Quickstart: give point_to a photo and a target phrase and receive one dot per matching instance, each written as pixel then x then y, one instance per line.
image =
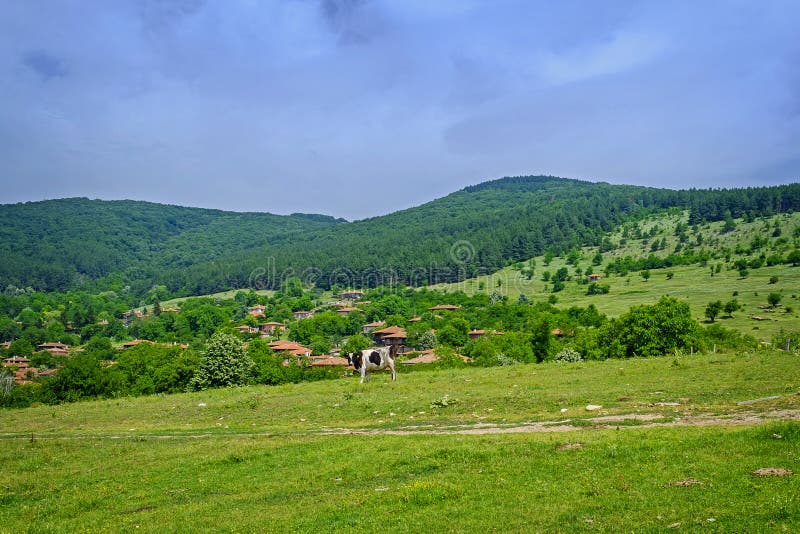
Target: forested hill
pixel 477 229
pixel 68 243
pixel 77 242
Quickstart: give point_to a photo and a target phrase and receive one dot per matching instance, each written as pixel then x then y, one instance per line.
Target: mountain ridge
pixel 99 244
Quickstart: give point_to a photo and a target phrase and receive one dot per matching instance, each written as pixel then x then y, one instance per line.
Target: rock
pixel 592 407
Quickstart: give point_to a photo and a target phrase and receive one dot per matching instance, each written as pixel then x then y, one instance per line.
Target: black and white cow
pixel 373 360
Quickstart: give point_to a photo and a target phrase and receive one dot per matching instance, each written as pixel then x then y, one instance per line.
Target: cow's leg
pixel 363 373
pixel 394 373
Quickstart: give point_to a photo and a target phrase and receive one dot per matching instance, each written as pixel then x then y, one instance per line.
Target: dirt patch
pixel 772 472
pixel 650 420
pixel 626 417
pixel 685 483
pixel 569 447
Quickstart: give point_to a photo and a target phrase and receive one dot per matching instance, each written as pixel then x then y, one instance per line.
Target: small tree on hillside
pixel 731 306
pixel 225 364
pixel 713 309
pixel 774 299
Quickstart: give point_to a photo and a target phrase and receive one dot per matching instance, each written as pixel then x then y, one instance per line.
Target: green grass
pixel 692 284
pixel 266 459
pixel 222 295
pixel 497 395
pixel 617 480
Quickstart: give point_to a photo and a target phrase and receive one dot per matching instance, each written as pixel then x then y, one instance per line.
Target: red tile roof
pixel 397 335
pixel 333 361
pixel 389 330
pixel 444 307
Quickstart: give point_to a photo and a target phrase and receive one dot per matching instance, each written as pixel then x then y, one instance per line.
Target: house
pixel 247 329
pixel 429 356
pixel 18 361
pixel 129 344
pixel 444 307
pixel 391 336
pixel 328 361
pixel 475 334
pixel 290 347
pixel 369 327
pixel 5 345
pixel 270 328
pixel 415 319
pixel 22 372
pixel 257 310
pixel 557 332
pixel 303 314
pixel 56 349
pixel 351 294
pixel 346 310
pixel 594 277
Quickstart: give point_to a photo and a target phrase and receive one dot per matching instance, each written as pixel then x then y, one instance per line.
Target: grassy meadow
pixel 693 284
pixel 446 450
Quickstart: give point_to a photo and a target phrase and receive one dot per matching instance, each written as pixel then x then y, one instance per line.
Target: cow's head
pixel 393 352
pixel 354 359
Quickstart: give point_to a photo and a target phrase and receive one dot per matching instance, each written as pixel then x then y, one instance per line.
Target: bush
pixel 503 360
pixel 649 330
pixel 569 355
pixel 224 364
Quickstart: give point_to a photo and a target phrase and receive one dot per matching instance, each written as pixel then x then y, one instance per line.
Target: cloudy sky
pixel 360 107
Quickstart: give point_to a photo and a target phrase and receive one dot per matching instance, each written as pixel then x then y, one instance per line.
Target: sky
pixel 357 108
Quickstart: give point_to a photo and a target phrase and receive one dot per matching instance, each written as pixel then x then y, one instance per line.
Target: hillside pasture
pixel 673 445
pixel 693 284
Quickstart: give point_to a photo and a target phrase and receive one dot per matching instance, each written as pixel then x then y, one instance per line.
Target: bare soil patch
pixel 772 472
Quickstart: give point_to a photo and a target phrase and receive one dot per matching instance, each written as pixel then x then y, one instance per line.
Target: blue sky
pixel 361 107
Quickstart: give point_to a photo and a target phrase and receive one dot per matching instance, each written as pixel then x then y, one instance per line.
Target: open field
pixel 673 445
pixel 221 295
pixel 693 284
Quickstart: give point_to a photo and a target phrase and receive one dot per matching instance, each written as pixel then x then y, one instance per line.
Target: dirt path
pixel 594 423
pixel 620 422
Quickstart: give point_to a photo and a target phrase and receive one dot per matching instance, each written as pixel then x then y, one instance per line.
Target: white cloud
pixel 623 52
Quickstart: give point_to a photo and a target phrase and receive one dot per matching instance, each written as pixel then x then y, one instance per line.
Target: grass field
pixel 673 447
pixel 692 284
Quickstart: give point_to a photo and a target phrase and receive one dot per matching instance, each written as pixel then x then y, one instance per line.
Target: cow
pixel 373 360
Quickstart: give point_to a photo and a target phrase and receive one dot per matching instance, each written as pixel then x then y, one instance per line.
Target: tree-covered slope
pixel 67 243
pixel 477 229
pixel 60 244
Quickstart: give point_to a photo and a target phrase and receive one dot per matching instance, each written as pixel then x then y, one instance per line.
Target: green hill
pixel 476 230
pixel 68 243
pixel 763 245
pixel 74 242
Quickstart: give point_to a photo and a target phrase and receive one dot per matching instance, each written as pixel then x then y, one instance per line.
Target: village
pixel 275 332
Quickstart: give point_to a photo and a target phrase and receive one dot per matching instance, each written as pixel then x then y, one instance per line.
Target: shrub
pixel 503 360
pixel 569 355
pixel 225 364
